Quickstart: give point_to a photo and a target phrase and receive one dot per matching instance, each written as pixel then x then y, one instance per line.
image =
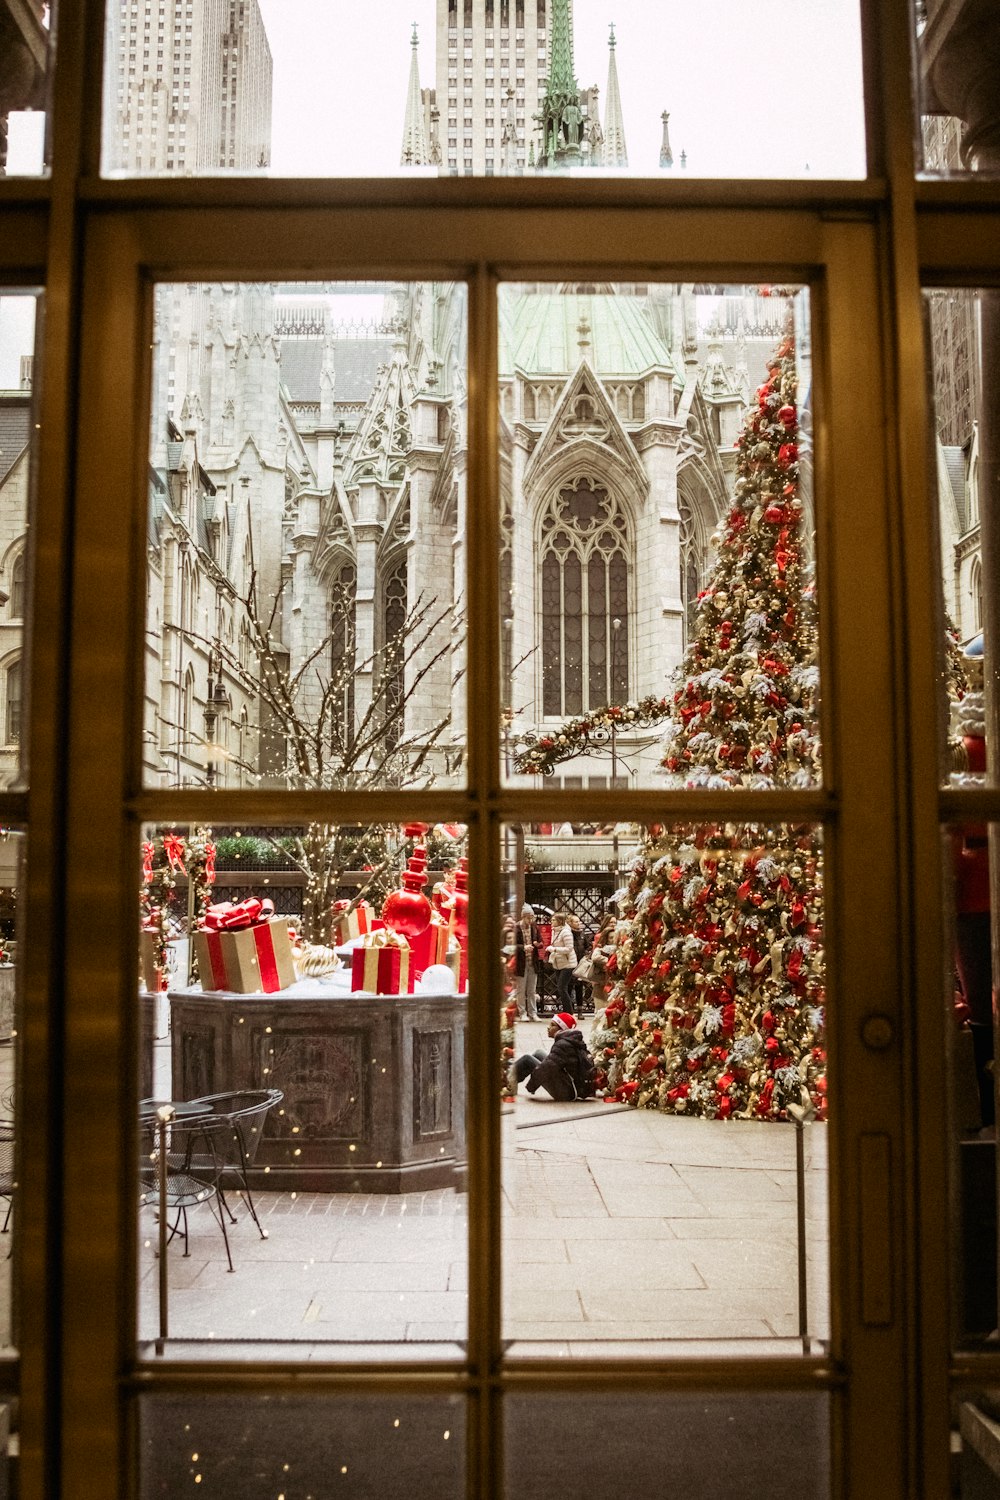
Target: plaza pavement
pixel 624 1231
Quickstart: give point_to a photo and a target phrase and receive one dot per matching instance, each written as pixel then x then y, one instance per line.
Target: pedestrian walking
pixel 562 957
pixel 526 964
pixel 580 946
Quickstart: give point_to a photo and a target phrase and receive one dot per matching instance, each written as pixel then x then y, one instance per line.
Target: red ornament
pixel 408 911
pixel 786 414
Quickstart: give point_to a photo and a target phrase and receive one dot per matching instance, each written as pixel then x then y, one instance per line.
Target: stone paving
pixel 623 1229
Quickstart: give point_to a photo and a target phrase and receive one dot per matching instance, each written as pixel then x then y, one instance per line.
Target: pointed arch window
pixel 690 568
pixel 12 703
pixel 585 564
pixel 976 590
pixel 17 588
pixel 394 607
pixel 187 712
pixel 343 640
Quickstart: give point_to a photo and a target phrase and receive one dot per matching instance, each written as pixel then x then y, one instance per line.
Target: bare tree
pixel 311 737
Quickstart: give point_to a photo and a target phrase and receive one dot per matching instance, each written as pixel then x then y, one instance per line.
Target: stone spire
pixel 666 155
pixel 508 136
pixel 414 152
pixel 615 151
pixel 560 115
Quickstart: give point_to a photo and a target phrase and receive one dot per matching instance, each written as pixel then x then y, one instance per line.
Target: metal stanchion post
pixel 163 1117
pixel 801 1114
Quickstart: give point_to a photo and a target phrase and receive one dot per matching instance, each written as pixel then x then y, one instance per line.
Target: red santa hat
pixel 564 1020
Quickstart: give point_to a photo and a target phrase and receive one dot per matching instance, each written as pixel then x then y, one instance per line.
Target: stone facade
pixel 331 460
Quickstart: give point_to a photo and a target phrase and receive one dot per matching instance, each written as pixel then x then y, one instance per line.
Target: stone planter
pixel 374 1086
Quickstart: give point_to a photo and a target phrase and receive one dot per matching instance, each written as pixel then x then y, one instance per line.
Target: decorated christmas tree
pixel 718 1006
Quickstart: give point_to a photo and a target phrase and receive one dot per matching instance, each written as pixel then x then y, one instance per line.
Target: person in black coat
pixel 566 1071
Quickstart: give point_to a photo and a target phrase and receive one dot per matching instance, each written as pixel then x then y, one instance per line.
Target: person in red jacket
pixel 971 869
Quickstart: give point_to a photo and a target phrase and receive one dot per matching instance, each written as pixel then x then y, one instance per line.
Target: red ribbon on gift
pixel 227 917
pixel 264 942
pixel 214 944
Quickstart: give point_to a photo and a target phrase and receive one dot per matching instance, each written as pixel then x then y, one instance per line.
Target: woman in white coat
pixel 562 957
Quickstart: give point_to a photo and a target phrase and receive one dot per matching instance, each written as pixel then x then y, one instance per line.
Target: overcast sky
pixel 771 88
pixel 765 89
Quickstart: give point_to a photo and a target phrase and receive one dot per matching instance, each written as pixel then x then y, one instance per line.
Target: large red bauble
pixel 786 414
pixel 408 911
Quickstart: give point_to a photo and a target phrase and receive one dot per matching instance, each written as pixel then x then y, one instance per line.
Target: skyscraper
pixel 506 98
pixel 189 87
pixel 484 49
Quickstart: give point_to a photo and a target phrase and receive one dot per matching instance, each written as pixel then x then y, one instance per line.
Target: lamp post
pixel 616 626
pixel 507 716
pixel 217 705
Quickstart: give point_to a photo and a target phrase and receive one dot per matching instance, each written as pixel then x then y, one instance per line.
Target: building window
pixel 12 697
pixel 394 607
pixel 690 568
pixel 585 548
pixel 342 650
pixel 17 588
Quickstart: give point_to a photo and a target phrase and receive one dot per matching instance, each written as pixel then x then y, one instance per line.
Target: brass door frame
pixel 865 248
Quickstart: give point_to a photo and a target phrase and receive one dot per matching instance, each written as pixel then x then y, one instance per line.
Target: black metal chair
pixel 245 1111
pixel 8 1180
pixel 196 1157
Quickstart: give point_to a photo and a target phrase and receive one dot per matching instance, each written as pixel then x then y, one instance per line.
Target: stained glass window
pixel 586 548
pixel 342 647
pixel 394 621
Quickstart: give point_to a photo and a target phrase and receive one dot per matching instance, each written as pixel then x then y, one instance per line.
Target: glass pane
pixel 963 350
pixel 24 92
pixel 970 1047
pixel 12 854
pixel 307 523
pixel 664 1068
pixel 302 1071
pixel 494 87
pixel 18 317
pixel 658 601
pixel 266 1447
pixel 764 1445
pixel 958 68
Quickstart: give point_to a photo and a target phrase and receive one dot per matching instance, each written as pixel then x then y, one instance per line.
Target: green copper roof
pixel 540 334
pixel 561 73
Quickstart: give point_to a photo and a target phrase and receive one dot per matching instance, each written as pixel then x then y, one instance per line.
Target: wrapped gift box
pixel 250 960
pixel 380 964
pixel 428 947
pixel 153 977
pixel 353 924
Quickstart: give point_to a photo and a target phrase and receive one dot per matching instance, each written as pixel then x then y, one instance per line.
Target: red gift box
pixel 428 947
pixel 353 924
pixel 245 949
pixel 380 964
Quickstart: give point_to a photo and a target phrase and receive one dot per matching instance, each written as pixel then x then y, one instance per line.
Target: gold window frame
pixel 865 249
